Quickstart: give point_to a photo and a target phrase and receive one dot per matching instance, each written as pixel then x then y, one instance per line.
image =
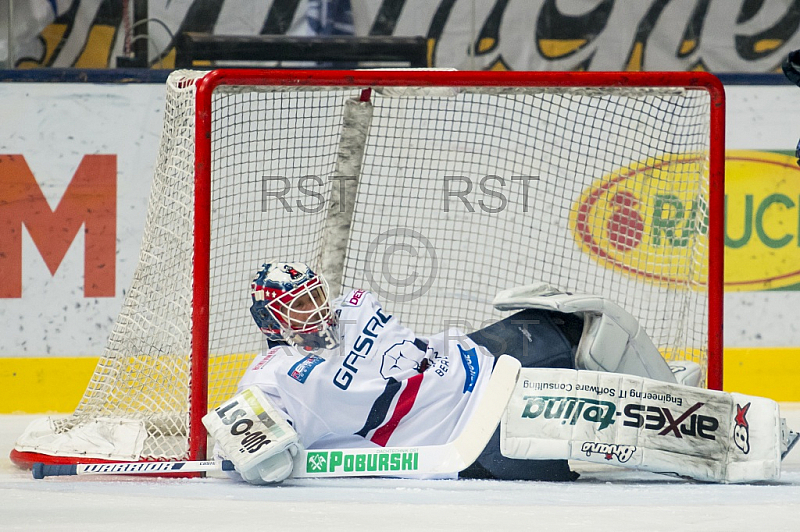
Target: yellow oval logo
pixel 762 221
pixel 648 220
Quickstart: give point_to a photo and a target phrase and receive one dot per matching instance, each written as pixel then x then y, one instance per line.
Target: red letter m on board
pixel 89 201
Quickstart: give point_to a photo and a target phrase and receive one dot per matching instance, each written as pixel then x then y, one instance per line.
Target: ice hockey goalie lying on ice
pixel 347 374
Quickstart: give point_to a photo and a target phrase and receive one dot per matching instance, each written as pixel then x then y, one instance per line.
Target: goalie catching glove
pixel 253 435
pixel 612 339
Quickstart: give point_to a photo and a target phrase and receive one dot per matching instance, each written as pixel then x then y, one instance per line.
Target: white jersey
pixel 381 386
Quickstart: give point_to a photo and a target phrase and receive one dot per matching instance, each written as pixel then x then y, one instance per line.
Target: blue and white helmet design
pixel 290 304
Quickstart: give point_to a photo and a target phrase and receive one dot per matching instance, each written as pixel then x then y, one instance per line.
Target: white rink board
pixel 54 125
pixel 762 118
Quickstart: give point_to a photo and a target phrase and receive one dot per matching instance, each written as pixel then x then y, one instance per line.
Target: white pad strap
pixel 254 436
pixel 644 424
pixel 612 340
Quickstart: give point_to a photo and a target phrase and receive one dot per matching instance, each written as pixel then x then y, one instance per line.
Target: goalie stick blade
pixel 432 460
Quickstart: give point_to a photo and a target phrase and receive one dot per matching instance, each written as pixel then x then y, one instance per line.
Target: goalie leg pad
pixel 643 424
pixel 253 435
pixel 612 340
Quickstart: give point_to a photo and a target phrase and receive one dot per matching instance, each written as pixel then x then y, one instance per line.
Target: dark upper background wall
pixel 742 36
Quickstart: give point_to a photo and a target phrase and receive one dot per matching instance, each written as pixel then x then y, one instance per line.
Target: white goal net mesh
pixel 450 196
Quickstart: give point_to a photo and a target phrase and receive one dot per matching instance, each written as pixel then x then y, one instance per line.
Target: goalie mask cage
pixel 433 189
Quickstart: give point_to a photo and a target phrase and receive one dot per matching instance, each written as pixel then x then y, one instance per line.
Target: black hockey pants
pixel 538 339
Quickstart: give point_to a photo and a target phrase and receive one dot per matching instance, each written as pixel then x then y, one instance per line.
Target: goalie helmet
pixel 290 304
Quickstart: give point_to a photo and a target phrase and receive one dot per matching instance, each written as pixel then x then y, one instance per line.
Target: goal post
pixel 433 189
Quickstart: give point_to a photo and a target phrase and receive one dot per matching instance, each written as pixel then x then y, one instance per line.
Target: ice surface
pixel 604 498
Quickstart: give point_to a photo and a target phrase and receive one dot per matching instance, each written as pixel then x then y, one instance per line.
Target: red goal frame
pixel 422 78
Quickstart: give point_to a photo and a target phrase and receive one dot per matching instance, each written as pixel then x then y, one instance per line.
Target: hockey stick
pixel 443 459
pixel 41 470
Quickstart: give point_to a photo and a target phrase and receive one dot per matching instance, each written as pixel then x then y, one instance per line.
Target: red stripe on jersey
pixel 404 404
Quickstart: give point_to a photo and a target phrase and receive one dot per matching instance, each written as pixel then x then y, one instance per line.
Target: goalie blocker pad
pixel 254 436
pixel 643 424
